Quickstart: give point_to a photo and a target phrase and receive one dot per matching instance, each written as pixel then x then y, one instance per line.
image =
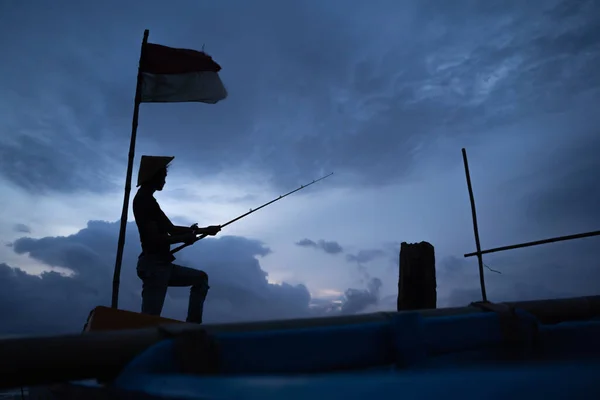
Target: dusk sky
pixel 382 93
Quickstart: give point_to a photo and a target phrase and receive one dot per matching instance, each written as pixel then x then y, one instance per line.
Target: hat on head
pixel 150 165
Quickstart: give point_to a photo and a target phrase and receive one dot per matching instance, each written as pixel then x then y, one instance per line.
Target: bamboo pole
pixel 475 228
pixel 535 243
pixel 123 228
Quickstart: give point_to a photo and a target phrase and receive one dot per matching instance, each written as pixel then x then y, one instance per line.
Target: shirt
pixel 146 210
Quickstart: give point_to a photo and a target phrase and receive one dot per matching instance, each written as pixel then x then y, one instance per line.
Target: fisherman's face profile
pixel 161 180
pixel 158 181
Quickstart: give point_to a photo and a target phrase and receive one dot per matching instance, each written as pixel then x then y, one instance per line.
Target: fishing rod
pixel 175 250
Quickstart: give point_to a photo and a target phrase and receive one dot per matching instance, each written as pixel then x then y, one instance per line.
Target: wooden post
pixel 417 283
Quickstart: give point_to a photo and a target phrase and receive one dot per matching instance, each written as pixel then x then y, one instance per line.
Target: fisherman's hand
pixel 189 238
pixel 212 230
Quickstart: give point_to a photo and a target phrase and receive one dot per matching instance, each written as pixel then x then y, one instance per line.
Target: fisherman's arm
pixel 182 238
pixel 184 230
pixel 211 230
pixel 181 230
pixel 180 233
pixel 153 233
pixel 175 230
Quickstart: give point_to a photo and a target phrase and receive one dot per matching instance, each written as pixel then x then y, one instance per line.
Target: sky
pixel 382 93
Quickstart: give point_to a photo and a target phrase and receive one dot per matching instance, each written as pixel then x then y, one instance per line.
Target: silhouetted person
pixel 155 264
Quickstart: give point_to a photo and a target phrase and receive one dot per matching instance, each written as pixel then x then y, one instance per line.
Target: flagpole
pixel 134 125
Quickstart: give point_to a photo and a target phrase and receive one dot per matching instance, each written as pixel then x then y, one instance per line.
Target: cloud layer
pixel 60 302
pixel 339 96
pixel 239 287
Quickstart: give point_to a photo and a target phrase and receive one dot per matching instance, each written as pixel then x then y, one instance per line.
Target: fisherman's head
pixel 157 182
pixel 153 172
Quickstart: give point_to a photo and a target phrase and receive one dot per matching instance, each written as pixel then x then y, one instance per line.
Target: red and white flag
pixel 171 75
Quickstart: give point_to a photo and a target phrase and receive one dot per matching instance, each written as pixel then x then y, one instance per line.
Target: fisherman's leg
pixel 198 280
pixel 155 281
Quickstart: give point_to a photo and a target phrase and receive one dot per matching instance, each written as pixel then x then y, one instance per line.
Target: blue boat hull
pixel 484 356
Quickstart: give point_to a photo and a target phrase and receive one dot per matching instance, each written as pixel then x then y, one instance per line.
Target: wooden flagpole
pixel 134 125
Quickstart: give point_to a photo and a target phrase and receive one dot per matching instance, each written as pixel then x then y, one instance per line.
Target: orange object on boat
pixel 110 319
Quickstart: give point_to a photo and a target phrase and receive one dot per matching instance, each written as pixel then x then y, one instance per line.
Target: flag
pixel 171 75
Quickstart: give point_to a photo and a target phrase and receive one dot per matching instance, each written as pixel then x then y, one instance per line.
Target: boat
pixel 547 349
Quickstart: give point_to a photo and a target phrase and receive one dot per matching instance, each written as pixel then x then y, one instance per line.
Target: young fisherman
pixel 157 233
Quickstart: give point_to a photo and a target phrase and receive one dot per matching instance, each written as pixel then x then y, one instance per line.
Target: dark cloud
pixel 22 228
pixel 357 300
pixel 49 303
pixel 339 96
pixel 329 247
pixel 53 302
pixel 306 243
pixel 364 300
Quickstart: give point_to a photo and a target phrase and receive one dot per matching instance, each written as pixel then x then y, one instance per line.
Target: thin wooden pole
pixel 134 125
pixel 536 243
pixel 475 228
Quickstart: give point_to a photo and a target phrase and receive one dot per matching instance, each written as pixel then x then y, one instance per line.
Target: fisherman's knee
pixel 203 276
pixel 201 282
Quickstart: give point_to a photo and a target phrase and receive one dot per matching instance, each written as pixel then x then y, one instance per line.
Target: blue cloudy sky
pixel 383 93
